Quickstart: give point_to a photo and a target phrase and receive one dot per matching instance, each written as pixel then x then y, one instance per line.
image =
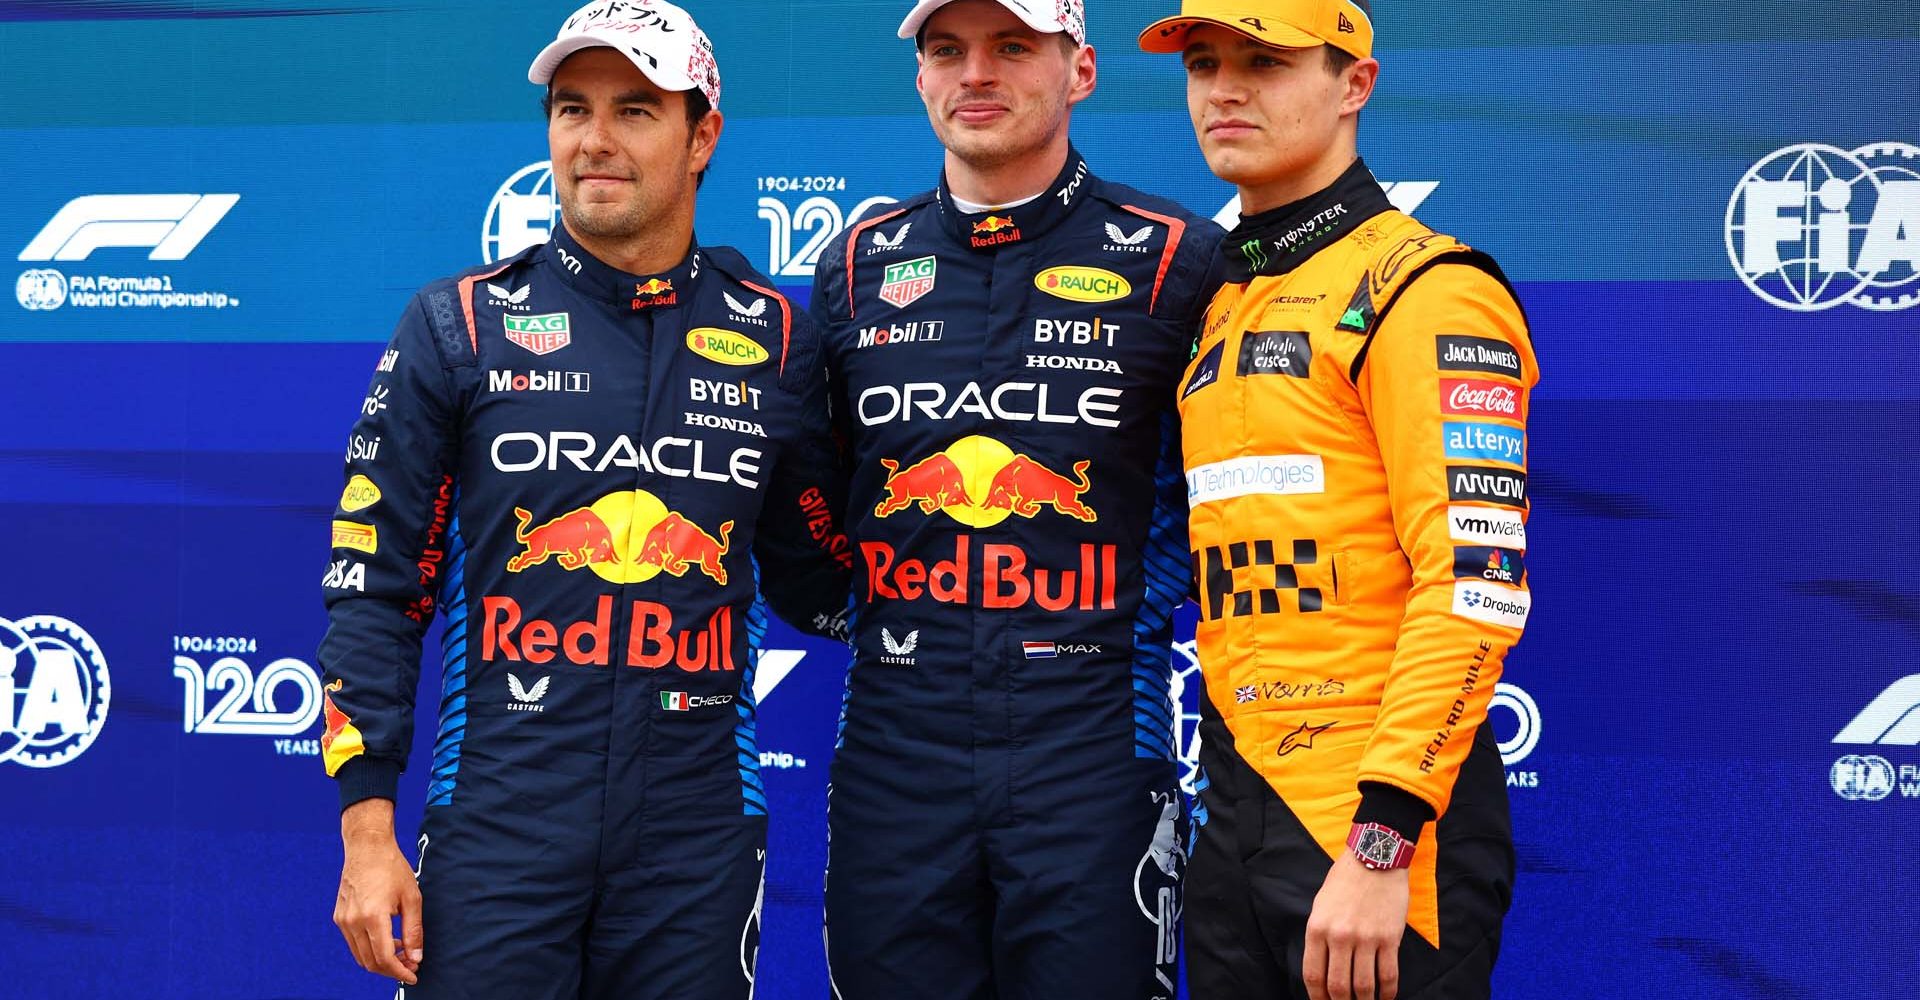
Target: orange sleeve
pixel 1445 384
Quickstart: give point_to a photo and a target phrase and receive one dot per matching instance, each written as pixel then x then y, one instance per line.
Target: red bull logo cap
pixel 1346 25
pixel 1044 16
pixel 661 39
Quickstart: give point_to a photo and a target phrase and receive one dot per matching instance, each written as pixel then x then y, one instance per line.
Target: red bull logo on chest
pixel 625 537
pixel 980 482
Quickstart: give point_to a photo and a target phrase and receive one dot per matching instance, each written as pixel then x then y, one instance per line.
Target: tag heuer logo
pixel 907 280
pixel 543 334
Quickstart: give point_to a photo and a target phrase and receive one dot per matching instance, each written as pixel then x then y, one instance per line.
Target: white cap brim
pixel 916 17
pixel 557 51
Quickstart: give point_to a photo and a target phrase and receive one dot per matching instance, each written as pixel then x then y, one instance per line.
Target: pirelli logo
pixel 1255 578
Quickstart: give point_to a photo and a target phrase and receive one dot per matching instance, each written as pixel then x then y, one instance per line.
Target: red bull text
pixel 652 641
pixel 1006 580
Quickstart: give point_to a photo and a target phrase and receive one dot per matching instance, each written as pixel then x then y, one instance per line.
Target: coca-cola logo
pixel 1477 396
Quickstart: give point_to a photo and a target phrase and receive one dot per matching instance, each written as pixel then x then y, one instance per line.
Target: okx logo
pixel 54 691
pixel 1813 226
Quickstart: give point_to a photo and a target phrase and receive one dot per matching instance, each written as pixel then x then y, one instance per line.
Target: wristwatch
pixel 1379 847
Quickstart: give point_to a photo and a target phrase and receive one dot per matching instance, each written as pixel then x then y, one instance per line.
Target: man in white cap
pixel 1355 426
pixel 1005 813
pixel 584 456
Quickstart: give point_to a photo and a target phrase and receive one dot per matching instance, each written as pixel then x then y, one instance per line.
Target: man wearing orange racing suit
pixel 1354 426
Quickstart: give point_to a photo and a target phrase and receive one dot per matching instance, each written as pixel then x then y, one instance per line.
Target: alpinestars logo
pixel 899 652
pixel 527 699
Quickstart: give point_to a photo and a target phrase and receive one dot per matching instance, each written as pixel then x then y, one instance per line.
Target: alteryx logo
pixel 1489 442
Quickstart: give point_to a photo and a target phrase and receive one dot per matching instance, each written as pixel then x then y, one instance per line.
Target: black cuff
pixel 365 777
pixel 1394 808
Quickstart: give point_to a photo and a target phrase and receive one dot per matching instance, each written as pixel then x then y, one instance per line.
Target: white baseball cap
pixel 660 38
pixel 1069 16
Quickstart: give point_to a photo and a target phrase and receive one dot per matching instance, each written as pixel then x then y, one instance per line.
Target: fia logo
pixel 1813 226
pixel 54 691
pixel 522 214
pixel 812 223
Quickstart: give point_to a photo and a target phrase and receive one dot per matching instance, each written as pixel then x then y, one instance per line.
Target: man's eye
pixel 1200 64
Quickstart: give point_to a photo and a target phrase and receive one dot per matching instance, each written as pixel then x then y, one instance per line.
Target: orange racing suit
pixel 1354 424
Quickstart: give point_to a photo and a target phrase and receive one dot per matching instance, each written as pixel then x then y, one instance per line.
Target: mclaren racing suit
pixel 592 475
pixel 1004 811
pixel 1355 440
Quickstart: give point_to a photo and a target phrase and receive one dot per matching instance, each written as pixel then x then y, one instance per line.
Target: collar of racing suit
pixel 1280 239
pixel 597 279
pixel 989 231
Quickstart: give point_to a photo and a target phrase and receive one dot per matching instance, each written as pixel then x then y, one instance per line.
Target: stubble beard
pixel 994 148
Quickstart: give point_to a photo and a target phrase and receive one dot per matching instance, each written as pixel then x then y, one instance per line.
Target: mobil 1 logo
pixel 1275 352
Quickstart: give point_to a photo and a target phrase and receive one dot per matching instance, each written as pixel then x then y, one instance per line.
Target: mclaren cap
pixel 1346 25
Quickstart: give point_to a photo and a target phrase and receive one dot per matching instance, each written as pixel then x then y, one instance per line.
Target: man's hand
pixel 1353 935
pixel 375 884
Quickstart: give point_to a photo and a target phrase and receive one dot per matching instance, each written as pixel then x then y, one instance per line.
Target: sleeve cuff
pixel 366 777
pixel 1394 808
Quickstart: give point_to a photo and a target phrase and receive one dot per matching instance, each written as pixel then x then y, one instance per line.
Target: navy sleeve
pixel 806 562
pixel 388 534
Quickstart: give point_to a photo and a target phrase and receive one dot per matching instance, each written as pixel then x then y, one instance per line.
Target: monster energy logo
pixel 1256 255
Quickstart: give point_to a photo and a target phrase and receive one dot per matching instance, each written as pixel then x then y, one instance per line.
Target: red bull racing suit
pixel 1004 810
pixel 593 476
pixel 1356 438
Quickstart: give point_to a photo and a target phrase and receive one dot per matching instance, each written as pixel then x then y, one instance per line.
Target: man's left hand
pixel 1353 935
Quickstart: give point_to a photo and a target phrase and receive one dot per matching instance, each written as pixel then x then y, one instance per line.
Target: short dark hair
pixel 1339 59
pixel 697 108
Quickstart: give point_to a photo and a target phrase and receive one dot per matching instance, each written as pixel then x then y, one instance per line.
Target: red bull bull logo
pixel 625 537
pixel 341 741
pixel 979 481
pixel 995 229
pixel 654 292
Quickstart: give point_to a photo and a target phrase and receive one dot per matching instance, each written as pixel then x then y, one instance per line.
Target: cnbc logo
pixel 1812 226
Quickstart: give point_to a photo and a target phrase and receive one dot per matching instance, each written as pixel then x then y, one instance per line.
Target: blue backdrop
pixel 1712 212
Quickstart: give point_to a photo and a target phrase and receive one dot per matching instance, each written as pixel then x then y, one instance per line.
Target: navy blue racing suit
pixel 594 476
pixel 1004 811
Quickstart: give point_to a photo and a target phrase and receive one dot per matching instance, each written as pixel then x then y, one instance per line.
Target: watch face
pixel 1377 846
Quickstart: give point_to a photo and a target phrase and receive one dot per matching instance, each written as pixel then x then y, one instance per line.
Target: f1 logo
pixel 172 224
